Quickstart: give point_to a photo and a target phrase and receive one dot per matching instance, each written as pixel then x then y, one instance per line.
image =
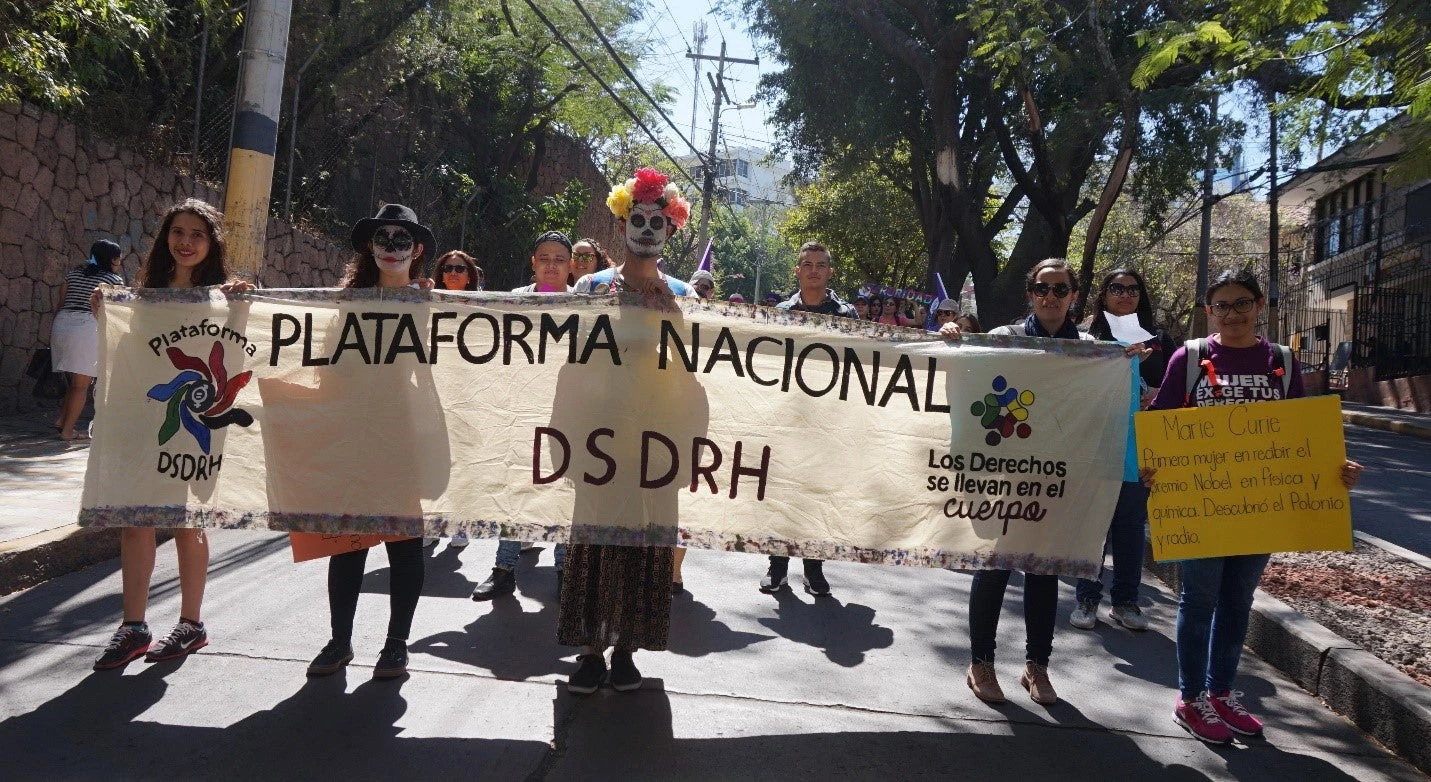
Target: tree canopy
pixel 1025 121
pixel 1018 104
pixel 449 106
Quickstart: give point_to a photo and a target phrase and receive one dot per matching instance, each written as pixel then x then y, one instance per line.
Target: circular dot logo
pixel 1004 412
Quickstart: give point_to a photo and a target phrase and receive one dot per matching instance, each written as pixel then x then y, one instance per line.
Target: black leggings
pixel 345 581
pixel 986 601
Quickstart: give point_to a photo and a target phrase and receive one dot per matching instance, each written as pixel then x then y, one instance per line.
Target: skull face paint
pixel 392 248
pixel 646 230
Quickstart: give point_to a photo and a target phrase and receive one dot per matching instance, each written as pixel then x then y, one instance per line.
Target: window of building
pixel 742 168
pixel 1418 214
pixel 1346 217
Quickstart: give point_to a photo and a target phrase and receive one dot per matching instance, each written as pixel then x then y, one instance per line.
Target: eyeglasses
pixel 946 314
pixel 584 256
pixel 1042 289
pixel 1124 290
pixel 704 286
pixel 458 269
pixel 1242 306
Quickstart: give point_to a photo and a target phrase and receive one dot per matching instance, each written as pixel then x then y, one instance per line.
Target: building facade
pixel 1358 299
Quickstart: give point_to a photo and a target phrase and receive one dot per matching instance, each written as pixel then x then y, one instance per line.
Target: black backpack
pixel 1197 353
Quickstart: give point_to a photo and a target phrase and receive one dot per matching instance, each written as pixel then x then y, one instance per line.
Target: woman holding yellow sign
pixel 1232 366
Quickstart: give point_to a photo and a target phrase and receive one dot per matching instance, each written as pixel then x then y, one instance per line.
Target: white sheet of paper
pixel 1126 328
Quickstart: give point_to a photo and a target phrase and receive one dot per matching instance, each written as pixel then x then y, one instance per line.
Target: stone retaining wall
pixel 62 188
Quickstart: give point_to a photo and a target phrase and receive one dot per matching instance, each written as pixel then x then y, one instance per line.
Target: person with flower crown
pixel 619 597
pixel 650 209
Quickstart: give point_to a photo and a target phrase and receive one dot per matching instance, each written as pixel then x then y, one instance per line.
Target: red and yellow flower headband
pixel 649 186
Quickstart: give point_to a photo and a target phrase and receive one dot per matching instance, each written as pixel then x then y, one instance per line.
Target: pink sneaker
pixel 1200 718
pixel 1232 712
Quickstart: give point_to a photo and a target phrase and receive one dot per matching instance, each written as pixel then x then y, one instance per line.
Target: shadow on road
pixel 844 631
pixel 96 730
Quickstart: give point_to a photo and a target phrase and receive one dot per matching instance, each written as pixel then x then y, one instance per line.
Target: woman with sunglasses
pixel 1124 293
pixel 1052 288
pixel 1215 597
pixel 587 257
pixel 893 313
pixel 458 271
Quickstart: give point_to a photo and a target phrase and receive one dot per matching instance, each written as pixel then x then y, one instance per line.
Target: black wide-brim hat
pixel 394 214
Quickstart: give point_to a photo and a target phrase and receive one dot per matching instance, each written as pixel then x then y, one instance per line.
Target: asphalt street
pixel 1393 498
pixel 866 684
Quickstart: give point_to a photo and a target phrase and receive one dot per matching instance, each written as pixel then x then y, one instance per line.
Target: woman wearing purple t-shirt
pixel 1216 598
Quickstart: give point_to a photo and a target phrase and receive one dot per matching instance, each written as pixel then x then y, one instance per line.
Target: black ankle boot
pixel 501 582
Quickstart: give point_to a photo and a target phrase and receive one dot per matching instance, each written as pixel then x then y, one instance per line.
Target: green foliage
pixel 1008 114
pixel 457 108
pixel 869 224
pixel 52 51
pixel 1336 69
pixel 1172 42
pixel 742 246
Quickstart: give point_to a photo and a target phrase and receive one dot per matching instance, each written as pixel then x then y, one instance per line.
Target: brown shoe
pixel 984 683
pixel 1035 680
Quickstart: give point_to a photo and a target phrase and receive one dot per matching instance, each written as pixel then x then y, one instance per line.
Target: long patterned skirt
pixel 616 596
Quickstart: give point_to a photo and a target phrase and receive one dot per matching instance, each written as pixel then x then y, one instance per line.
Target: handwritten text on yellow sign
pixel 1246 479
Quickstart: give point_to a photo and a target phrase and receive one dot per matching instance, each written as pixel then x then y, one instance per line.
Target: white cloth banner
pixel 556 417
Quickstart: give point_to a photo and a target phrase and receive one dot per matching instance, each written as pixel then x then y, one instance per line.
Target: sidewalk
pixel 1388 418
pixel 41 480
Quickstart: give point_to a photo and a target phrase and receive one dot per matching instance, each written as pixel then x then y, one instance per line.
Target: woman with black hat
pixel 74 338
pixel 390 248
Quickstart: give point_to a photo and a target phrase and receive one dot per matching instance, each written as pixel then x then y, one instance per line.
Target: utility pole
pixel 1204 244
pixel 718 86
pixel 700 36
pixel 1274 242
pixel 255 133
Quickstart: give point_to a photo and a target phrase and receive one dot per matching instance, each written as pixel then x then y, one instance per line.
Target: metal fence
pixel 1377 254
pixel 1392 329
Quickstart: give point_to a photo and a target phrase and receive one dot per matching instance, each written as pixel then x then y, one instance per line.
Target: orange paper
pixel 315 545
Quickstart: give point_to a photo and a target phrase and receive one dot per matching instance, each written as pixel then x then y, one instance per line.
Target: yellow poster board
pixel 1246 479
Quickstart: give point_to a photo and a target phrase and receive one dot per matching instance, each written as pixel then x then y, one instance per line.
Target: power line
pixel 609 91
pixel 677 23
pixel 617 57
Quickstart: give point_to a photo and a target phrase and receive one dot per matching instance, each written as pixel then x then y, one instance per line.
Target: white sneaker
pixel 459 539
pixel 1085 615
pixel 1130 616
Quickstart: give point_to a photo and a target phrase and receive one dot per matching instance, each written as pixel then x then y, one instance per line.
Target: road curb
pixel 1377 422
pixel 1378 698
pixel 33 560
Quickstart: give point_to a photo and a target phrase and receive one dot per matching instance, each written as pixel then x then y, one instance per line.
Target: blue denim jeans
pixel 508 551
pixel 1213 611
pixel 1126 538
pixel 986 602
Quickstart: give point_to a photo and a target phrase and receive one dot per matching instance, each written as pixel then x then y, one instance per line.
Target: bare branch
pixel 893 40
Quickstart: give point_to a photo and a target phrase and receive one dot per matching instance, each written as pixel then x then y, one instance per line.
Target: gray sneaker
pixel 1085 615
pixel 1130 616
